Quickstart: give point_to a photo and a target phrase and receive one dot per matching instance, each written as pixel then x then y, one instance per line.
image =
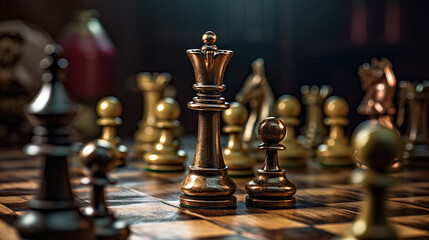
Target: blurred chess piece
pixel 271 188
pixel 336 150
pixel 152 86
pixel 288 109
pixel 256 92
pixel 375 146
pixel 109 110
pixel 414 97
pixel 314 132
pixel 379 84
pixel 100 157
pixel 164 155
pixel 239 162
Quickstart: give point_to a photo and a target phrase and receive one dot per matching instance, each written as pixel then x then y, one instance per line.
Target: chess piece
pixel 100 157
pixel 109 110
pixel 53 213
pixel 415 98
pixel 314 131
pixel 256 92
pixel 236 158
pixel 208 184
pixel 379 83
pixel 288 109
pixel 335 151
pixel 164 156
pixel 152 86
pixel 375 146
pixel 271 188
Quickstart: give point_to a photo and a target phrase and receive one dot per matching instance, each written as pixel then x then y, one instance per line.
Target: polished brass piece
pixel 236 158
pixel 109 109
pixel 271 188
pixel 375 146
pixel 256 92
pixel 100 157
pixel 379 83
pixel 288 109
pixel 164 157
pixel 336 150
pixel 314 132
pixel 152 86
pixel 208 184
pixel 415 98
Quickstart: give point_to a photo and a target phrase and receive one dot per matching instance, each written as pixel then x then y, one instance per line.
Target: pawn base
pixel 188 201
pixel 270 202
pixel 107 228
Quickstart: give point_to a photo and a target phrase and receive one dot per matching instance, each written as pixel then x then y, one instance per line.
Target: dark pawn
pixel 53 213
pixel 100 157
pixel 271 188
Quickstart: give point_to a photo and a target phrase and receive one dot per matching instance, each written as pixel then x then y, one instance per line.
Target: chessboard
pixel 149 202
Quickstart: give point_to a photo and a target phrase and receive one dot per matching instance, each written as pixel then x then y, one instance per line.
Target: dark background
pixel 302 42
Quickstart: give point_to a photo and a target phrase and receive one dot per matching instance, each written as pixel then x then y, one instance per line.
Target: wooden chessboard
pixel 326 203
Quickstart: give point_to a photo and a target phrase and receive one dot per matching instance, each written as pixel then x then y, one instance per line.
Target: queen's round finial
pixel 209 38
pixel 271 130
pixel 109 107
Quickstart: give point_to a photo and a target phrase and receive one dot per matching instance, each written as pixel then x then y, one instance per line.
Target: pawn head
pixel 336 107
pixel 167 109
pixel 109 107
pixel 375 145
pixel 99 156
pixel 236 115
pixel 288 106
pixel 271 130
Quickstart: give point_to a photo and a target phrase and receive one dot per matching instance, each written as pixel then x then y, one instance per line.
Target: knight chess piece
pixel 288 109
pixel 256 92
pixel 208 184
pixel 100 157
pixel 314 132
pixel 164 156
pixel 51 112
pixel 109 109
pixel 336 150
pixel 152 85
pixel 376 146
pixel 271 188
pixel 236 158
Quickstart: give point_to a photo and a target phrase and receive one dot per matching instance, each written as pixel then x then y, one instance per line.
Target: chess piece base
pixel 107 228
pixel 208 203
pixel 270 203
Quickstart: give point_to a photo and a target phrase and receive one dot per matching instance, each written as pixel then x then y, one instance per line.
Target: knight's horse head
pixel 253 86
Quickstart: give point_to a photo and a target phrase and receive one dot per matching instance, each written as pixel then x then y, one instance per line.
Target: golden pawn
pixel 287 109
pixel 239 162
pixel 109 109
pixel 336 150
pixel 376 147
pixel 164 156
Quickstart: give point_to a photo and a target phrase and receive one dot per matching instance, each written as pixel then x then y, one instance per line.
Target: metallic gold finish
pixel 236 158
pixel 271 188
pixel 288 109
pixel 314 132
pixel 152 85
pixel 100 157
pixel 164 156
pixel 207 184
pixel 336 150
pixel 375 146
pixel 256 92
pixel 109 109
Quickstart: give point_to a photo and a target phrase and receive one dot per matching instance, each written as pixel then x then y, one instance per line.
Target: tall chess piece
pixel 164 156
pixel 208 184
pixel 100 157
pixel 152 86
pixel 288 109
pixel 336 150
pixel 314 131
pixel 236 158
pixel 376 146
pixel 256 92
pixel 109 110
pixel 271 188
pixel 415 98
pixel 53 213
